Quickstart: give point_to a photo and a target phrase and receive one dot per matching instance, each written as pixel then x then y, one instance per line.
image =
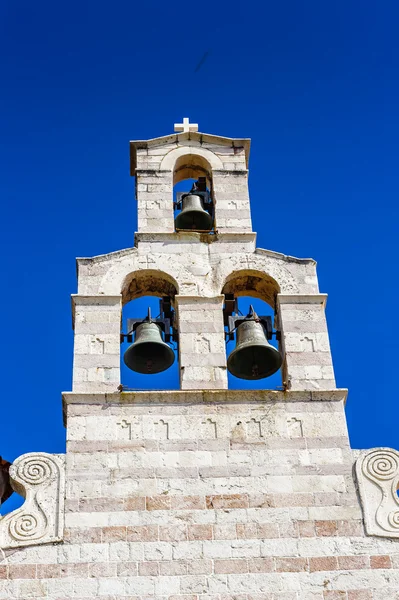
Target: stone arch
pixel 251 282
pixel 188 162
pixel 148 282
pixel 120 273
pixel 268 268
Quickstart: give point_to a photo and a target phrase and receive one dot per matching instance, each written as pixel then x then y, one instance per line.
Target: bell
pixel 193 216
pixel 5 484
pixel 149 354
pixel 253 356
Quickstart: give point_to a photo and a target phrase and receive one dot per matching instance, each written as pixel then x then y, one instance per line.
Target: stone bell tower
pixel 202 493
pixel 196 270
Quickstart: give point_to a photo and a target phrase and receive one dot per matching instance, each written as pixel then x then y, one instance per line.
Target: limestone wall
pixel 160 163
pixel 207 496
pixel 196 271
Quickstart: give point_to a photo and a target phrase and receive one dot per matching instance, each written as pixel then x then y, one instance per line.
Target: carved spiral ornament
pixel 381 465
pixel 40 478
pixel 377 473
pixel 393 519
pixel 34 471
pixel 24 526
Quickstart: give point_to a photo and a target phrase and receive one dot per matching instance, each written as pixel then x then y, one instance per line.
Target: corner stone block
pixel 97 322
pixel 202 352
pixel 305 344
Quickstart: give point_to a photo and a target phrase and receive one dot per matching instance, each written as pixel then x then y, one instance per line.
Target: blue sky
pixel 314 84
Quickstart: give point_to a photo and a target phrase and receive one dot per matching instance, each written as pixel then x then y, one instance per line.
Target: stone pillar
pixel 97 325
pixel 305 343
pixel 202 349
pixel 231 197
pixel 154 192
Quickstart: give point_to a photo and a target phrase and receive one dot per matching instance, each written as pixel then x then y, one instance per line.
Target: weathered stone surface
pixel 377 472
pixel 199 266
pixel 203 493
pixel 40 479
pixel 182 494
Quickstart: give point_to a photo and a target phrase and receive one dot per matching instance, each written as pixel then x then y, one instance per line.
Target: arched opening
pixel 249 282
pixel 148 282
pixel 191 166
pixel 193 173
pixel 244 289
pixel 153 291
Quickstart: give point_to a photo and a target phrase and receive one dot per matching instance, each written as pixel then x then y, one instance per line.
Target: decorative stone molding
pixel 169 160
pixel 302 299
pixel 377 472
pixel 40 479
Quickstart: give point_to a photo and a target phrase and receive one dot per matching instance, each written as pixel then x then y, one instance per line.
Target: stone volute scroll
pixel 377 472
pixel 40 479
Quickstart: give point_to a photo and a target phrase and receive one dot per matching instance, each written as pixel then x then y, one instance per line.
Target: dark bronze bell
pixel 193 216
pixel 253 356
pixel 149 354
pixel 5 484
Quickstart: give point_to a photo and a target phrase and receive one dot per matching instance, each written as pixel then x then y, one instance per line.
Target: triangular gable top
pixel 181 138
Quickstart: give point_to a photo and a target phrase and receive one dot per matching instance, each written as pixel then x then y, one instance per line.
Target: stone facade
pixel 204 493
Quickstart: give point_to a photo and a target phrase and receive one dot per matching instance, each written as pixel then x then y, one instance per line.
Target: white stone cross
pixel 186 126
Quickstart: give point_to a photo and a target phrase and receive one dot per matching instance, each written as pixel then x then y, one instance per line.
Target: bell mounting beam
pixel 165 322
pixel 233 321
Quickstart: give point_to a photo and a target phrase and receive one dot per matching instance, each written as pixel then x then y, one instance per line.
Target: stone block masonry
pixel 202 350
pixel 209 495
pixel 203 493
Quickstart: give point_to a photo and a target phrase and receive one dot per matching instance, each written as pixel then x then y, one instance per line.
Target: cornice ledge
pixel 204 397
pixel 302 299
pixel 285 257
pixel 182 137
pixel 105 257
pixel 181 298
pixel 95 298
pixel 90 300
pixel 193 236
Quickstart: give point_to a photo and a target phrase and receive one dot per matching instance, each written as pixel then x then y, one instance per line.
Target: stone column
pixel 305 343
pixel 202 349
pixel 154 192
pixel 97 325
pixel 231 197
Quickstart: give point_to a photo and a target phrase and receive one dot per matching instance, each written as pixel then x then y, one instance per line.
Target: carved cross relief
pixel 209 428
pixel 126 426
pixel 254 428
pixel 294 427
pixel 162 429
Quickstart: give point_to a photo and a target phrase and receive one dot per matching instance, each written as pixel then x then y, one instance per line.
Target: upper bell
pixel 193 216
pixel 253 356
pixel 149 354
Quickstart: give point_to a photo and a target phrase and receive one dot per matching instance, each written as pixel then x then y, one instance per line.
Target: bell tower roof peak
pixel 186 138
